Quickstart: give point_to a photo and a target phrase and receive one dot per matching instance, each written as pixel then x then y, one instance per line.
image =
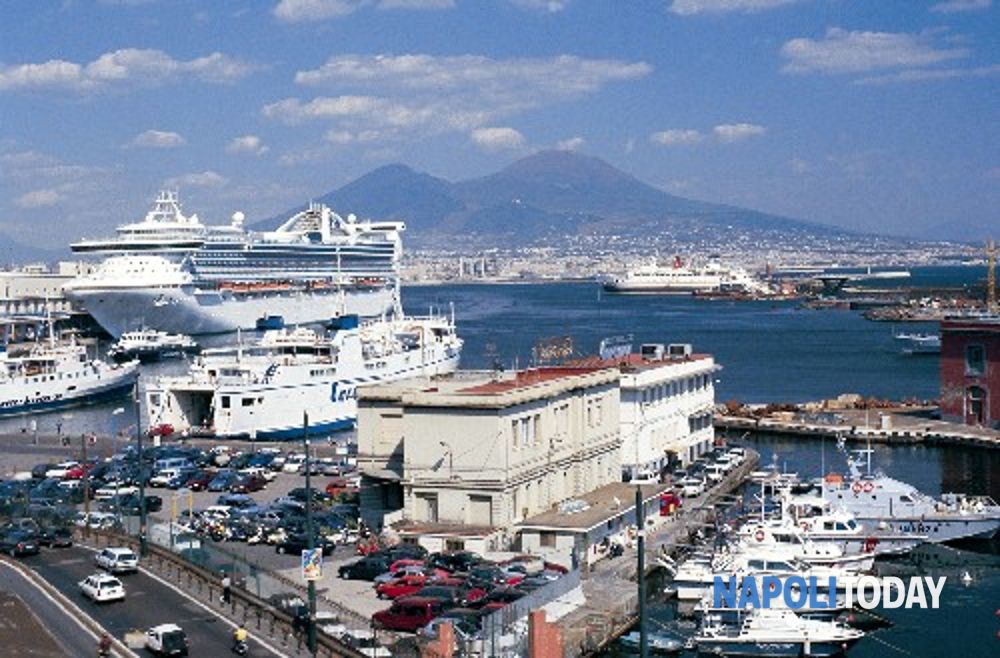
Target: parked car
pixel 59 470
pixel 117 560
pixel 296 543
pixel 38 471
pixel 465 622
pixel 457 561
pixel 409 613
pixel 102 587
pixel 167 640
pixel 110 490
pixel 690 487
pixel 367 568
pixel 222 481
pixel 248 483
pixel 405 585
pixel 18 543
pixel 55 537
pixel 200 480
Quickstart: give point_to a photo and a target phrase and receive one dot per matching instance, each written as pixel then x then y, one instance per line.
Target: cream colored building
pixel 476 453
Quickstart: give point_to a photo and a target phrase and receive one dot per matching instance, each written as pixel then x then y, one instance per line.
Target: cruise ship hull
pixel 187 310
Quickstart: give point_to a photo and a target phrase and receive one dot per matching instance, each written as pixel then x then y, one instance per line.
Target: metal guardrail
pixel 517 610
pixel 202 584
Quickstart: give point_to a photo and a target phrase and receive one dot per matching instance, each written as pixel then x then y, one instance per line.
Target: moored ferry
pixel 261 391
pixel 681 279
pixel 51 377
pixel 171 272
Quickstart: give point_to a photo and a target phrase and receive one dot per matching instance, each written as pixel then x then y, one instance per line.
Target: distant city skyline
pixel 877 117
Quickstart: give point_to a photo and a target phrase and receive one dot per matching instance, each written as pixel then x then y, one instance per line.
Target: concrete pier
pixel 896 426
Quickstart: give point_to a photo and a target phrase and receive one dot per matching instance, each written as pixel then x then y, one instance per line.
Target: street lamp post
pixel 142 477
pixel 310 538
pixel 114 451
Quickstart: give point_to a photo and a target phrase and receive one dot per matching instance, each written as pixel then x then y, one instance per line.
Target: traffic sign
pixel 312 564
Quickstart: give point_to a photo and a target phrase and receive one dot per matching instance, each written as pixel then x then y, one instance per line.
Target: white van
pixel 172 462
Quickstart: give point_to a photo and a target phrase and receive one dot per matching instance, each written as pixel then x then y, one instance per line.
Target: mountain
pixel 16 253
pixel 542 198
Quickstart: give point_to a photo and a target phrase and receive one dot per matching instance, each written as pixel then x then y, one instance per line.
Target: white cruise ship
pixel 51 377
pixel 171 272
pixel 678 278
pixel 261 391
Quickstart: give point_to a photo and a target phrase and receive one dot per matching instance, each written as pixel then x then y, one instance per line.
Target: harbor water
pixel 770 351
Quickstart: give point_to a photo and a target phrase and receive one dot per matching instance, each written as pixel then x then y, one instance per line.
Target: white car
pixel 117 560
pixel 59 470
pixel 102 587
pixel 94 520
pixel 167 640
pixel 293 463
pixel 265 473
pixel 691 487
pixel 110 491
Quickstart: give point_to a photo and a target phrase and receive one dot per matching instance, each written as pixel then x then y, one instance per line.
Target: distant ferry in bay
pixel 50 377
pixel 170 272
pixel 260 391
pixel 678 278
pixel 914 343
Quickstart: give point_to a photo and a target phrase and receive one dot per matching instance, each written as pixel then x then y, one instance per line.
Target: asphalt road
pixel 148 602
pixel 73 639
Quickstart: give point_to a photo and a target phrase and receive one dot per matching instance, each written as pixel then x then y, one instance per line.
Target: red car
pixel 200 481
pixel 248 483
pixel 409 613
pixel 402 586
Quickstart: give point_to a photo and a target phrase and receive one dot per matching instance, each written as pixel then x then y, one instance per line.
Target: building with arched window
pixel 970 370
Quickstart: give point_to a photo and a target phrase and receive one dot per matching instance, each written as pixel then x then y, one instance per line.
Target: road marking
pixel 257 640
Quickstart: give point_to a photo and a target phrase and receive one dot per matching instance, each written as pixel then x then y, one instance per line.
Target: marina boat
pixel 148 345
pixel 694 578
pixel 51 377
pixel 782 538
pixel 914 343
pixel 654 278
pixel 171 272
pixel 261 391
pixel 880 502
pixel 821 524
pixel 773 632
pixel 658 643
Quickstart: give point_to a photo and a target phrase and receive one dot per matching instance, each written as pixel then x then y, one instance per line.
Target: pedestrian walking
pixel 227 587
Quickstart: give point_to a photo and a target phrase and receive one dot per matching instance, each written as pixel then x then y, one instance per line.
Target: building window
pixel 975 360
pixel 538 429
pixel 428 507
pixel 975 398
pixel 547 539
pixel 454 544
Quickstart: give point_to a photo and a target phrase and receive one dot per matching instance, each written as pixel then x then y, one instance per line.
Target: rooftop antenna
pixel 991 276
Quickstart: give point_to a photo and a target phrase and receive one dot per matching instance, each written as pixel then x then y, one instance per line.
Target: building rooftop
pixel 971 323
pixel 490 389
pixel 636 362
pixel 600 505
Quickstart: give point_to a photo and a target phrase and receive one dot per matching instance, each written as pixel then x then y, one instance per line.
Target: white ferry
pixel 713 277
pixel 51 377
pixel 261 391
pixel 173 273
pixel 148 345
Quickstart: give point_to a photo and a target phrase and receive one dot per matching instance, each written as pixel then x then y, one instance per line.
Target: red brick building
pixel 970 371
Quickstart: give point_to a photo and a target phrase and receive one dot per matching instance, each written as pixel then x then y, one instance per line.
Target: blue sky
pixel 880 115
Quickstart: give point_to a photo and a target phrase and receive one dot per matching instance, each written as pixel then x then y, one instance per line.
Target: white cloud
pixel 157 139
pixel 38 199
pixel 494 139
pixel 841 51
pixel 676 136
pixel 251 144
pixel 550 6
pixel 692 7
pixel 297 11
pixel 931 75
pixel 423 94
pixel 800 166
pixel 955 6
pixel 197 179
pixel 129 66
pixel 571 144
pixel 348 137
pixel 734 132
pixel 416 4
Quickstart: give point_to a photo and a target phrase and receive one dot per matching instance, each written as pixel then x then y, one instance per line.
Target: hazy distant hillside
pixel 16 253
pixel 545 195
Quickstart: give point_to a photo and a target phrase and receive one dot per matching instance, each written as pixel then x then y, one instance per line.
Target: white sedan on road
pixel 102 587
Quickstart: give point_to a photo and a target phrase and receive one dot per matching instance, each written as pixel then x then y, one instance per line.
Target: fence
pixel 255 613
pixel 505 631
